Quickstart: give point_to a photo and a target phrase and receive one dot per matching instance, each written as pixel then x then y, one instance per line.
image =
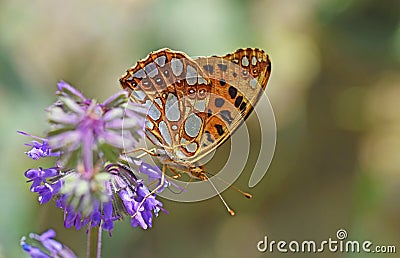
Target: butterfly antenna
pixel 231 212
pixel 245 194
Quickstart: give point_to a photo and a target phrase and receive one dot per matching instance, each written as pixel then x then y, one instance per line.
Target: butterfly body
pixel 194 105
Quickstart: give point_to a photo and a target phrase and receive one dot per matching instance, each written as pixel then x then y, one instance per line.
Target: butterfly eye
pixel 146 84
pixel 129 83
pixel 254 72
pixel 191 92
pixel 159 81
pixel 202 93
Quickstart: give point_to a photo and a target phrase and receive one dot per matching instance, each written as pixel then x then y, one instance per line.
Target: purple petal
pixel 153 172
pixel 50 172
pixel 47 234
pixel 148 218
pixel 116 140
pixel 69 220
pixel 114 97
pixel 34 252
pixel 138 221
pixel 128 200
pixel 142 191
pixel 108 222
pixel 115 113
pixel 30 135
pixel 52 245
pixel 108 225
pixel 65 87
pixel 58 116
pixel 69 139
pixel 33 173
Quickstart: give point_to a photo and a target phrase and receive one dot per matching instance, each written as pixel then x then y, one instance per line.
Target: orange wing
pixel 238 80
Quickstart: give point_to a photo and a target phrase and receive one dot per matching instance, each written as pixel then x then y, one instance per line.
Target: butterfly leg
pixel 162 181
pixel 150 152
pixel 177 175
pixel 199 172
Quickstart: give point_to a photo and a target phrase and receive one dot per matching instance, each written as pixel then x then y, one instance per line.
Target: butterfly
pixel 195 104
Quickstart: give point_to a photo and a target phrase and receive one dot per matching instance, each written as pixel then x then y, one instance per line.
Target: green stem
pixel 92 249
pixel 99 241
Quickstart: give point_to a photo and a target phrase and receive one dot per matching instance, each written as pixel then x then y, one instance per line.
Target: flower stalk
pixel 92 180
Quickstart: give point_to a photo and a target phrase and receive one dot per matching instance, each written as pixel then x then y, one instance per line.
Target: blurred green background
pixel 335 90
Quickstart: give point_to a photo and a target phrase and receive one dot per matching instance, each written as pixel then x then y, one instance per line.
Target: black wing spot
pixel 219 128
pixel 238 101
pixel 232 92
pixel 269 68
pixel 219 102
pixel 226 115
pixel 209 113
pixel 222 82
pixel 242 106
pixel 234 74
pixel 209 138
pixel 223 67
pixel 209 68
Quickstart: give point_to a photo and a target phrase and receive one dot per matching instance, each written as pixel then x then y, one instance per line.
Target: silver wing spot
pixel 172 111
pixel 154 113
pixel 151 70
pixel 245 61
pixel 193 125
pixel 162 126
pixel 254 60
pixel 176 66
pixel 160 60
pixel 140 74
pixel 191 75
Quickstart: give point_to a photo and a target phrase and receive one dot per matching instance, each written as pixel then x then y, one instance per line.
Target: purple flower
pixel 155 174
pixel 89 130
pixel 39 149
pixel 145 204
pixel 50 247
pixel 40 185
pixel 90 181
pixel 103 199
pixel 138 201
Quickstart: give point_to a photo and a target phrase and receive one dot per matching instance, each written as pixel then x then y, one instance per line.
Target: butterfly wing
pixel 176 92
pixel 238 80
pixel 195 105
